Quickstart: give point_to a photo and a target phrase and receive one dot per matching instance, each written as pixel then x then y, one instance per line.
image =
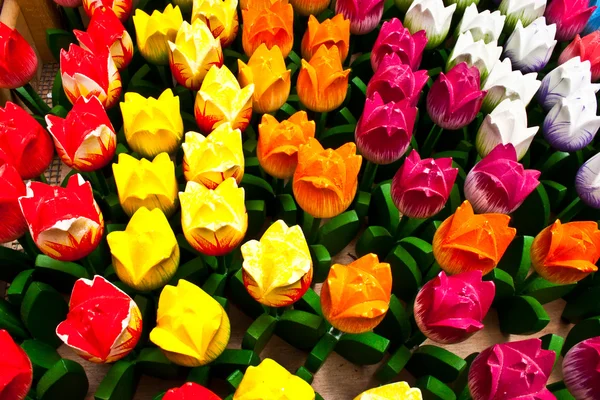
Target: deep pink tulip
pixel 450 309
pixel 421 188
pixel 395 81
pixel 499 183
pixel 455 98
pixel 395 38
pixel 581 369
pixel 384 130
pixel 587 48
pixel 570 17
pixel 515 370
pixel 364 15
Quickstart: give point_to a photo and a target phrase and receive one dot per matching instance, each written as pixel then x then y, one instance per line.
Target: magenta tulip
pixel 395 38
pixel 395 81
pixel 384 130
pixel 364 15
pixel 570 17
pixel 581 369
pixel 450 309
pixel 455 98
pixel 421 188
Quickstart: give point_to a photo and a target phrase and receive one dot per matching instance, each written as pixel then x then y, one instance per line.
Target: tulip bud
pixel 194 52
pixel 154 32
pixel 566 253
pixel 104 324
pixel 141 183
pixel 395 38
pixel 587 49
pixel 85 140
pixel 221 100
pixel 121 8
pixel 507 124
pixel 485 25
pixel 277 270
pixel 432 17
pixel 106 30
pixel 16 371
pixel 190 391
pixel 384 130
pixel 308 8
pixel 397 390
pixel 23 142
pixel 322 82
pixel 325 181
pixel 468 242
pixel 221 16
pixel 146 254
pixel 214 222
pixel 359 306
pixel 525 11
pixel 572 124
pixel 271 24
pixel 564 81
pixel 421 188
pixel 580 369
pixel 278 143
pixel 570 17
pixel 211 159
pixel 451 309
pixel 65 223
pixel 394 81
pixel 12 223
pixel 18 61
pixel 270 378
pixel 455 99
pixel 503 83
pixel 152 126
pixel 512 370
pixel 593 24
pixel 331 32
pixel 364 15
pixel 475 54
pixel 586 182
pixel 530 48
pixel 86 74
pixel 192 329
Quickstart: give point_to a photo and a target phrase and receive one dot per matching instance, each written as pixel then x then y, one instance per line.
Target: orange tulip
pixel 331 32
pixel 268 23
pixel 309 7
pixel 566 253
pixel 325 181
pixel 355 297
pixel 322 83
pixel 278 143
pixel 467 242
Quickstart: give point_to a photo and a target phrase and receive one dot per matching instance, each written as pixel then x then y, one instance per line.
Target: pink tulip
pixel 581 369
pixel 384 130
pixel 570 17
pixel 515 370
pixel 421 188
pixel 499 183
pixel 450 309
pixel 395 38
pixel 364 15
pixel 395 81
pixel 455 98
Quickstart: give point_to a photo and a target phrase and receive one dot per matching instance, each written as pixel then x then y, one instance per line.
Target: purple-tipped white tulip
pixel 587 182
pixel 530 48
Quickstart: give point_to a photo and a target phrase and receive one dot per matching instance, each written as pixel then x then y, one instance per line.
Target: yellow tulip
pixel 393 391
pixel 220 16
pixel 145 255
pixel 152 126
pixel 266 69
pixel 212 159
pixel 270 380
pixel 141 183
pixel 220 99
pixel 214 222
pixel 195 50
pixel 192 329
pixel 154 31
pixel 277 270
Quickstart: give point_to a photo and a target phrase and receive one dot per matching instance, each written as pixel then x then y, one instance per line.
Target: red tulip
pixel 12 223
pixel 395 38
pixel 86 139
pixel 570 17
pixel 587 48
pixel 121 8
pixel 18 61
pixel 395 81
pixel 16 372
pixel 65 223
pixel 190 391
pixel 23 142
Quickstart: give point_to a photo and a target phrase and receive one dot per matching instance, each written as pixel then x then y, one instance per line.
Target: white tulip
pixel 432 17
pixel 503 83
pixel 474 53
pixel 530 48
pixel 483 25
pixel 506 124
pixel 564 81
pixel 462 4
pixel 525 11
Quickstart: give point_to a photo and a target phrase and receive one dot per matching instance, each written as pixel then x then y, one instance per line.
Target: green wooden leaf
pixel 120 383
pixel 319 354
pixel 553 342
pixel 300 329
pixel 374 239
pixel 199 375
pixel 252 166
pixel 42 356
pixel 305 374
pixel 147 306
pixel 58 94
pixel 321 262
pixel 437 362
pixel 549 166
pixel 516 260
pixel 233 359
pixel 65 376
pixel 432 272
pixel 58 39
pixel 396 323
pixel 249 147
pixel 257 188
pixel 406 275
pixel 586 329
pixel 13 262
pixel 420 250
pixel 257 214
pixel 505 286
pixel 62 275
pixel 242 299
pixel 382 211
pixel 259 333
pixel 522 315
pixel 234 379
pixel 361 204
pixel 389 370
pixel 286 209
pixel 194 271
pixel 43 308
pixel 310 302
pixel 556 193
pixel 534 213
pixel 584 304
pixel 141 82
pixel 338 135
pixel 339 231
pixel 152 361
pixel 434 389
pixel 363 349
pixel 18 287
pixel 462 382
pixel 544 291
pixel 215 284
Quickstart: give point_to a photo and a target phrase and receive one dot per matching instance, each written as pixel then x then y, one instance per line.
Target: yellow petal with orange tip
pixel 153 32
pixel 221 16
pixel 393 391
